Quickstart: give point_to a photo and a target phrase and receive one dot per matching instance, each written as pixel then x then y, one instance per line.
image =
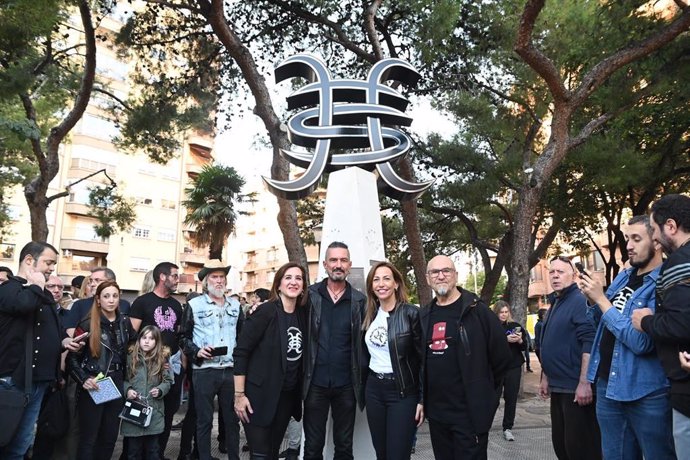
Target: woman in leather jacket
pixel 393 352
pixel 105 355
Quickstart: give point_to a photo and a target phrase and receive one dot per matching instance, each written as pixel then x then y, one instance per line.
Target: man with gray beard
pixel 210 326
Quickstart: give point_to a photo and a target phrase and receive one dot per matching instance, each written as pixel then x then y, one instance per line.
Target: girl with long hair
pixel 268 363
pixel 515 335
pixel 148 379
pixel 393 352
pixel 104 355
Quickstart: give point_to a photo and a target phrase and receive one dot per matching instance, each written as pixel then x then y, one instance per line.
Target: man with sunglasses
pixel 566 342
pixel 466 357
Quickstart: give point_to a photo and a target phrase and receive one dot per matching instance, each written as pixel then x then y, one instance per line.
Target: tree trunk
pixel 287 214
pixel 493 276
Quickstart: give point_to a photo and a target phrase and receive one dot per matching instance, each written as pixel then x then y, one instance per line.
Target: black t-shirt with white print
pixel 608 340
pixel 445 396
pixel 294 348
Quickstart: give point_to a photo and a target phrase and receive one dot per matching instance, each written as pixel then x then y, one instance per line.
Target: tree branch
pixel 112 96
pixel 537 60
pixel 602 71
pixel 370 28
pixel 175 6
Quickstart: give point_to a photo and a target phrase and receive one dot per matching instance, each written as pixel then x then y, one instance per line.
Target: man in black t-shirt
pixel 466 357
pixel 159 308
pixel 632 408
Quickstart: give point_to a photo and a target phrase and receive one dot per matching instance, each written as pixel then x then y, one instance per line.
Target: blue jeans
pixel 681 434
pixel 24 436
pixel 631 429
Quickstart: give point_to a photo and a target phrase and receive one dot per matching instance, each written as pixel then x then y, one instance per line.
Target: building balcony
pixel 194 256
pixel 78 209
pixel 91 246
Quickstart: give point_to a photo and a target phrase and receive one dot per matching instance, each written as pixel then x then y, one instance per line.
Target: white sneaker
pixel 508 435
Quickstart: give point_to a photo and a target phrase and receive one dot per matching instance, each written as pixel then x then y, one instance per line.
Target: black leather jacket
pixel 406 347
pixel 358 302
pixel 83 365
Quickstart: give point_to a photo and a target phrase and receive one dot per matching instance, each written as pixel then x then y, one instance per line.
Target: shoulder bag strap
pixel 28 369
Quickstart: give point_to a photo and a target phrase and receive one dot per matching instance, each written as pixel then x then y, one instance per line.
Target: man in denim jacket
pixel 632 401
pixel 212 321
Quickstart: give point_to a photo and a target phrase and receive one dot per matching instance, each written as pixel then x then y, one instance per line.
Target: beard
pixel 642 262
pixel 339 275
pixel 216 292
pixel 442 291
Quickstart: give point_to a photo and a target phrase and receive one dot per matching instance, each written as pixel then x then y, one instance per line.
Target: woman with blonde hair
pixel 148 284
pixel 393 354
pixel 515 335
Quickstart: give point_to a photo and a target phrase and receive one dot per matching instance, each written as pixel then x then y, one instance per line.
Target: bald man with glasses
pixel 465 360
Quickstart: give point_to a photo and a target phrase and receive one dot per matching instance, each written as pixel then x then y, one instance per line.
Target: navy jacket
pixel 566 335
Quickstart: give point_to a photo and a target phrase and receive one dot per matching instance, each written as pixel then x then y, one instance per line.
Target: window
pixel 145 201
pixel 168 204
pixel 166 234
pixel 535 274
pixel 98 127
pixel 139 264
pixel 270 276
pixel 141 232
pixel 272 255
pixel 84 263
pixel 595 262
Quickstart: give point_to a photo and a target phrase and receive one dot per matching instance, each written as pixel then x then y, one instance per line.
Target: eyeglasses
pixel 564 259
pixel 436 272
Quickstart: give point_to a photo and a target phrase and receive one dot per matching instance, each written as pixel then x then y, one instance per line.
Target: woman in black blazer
pixel 268 363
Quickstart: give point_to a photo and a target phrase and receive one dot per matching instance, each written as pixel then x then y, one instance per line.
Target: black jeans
pixel 391 419
pixel 189 423
pixel 99 425
pixel 457 442
pixel 574 429
pixel 207 384
pixel 265 440
pixel 511 388
pixel 171 402
pixel 140 447
pixel 342 402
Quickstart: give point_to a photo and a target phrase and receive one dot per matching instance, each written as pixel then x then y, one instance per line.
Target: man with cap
pixel 210 327
pixel 76 285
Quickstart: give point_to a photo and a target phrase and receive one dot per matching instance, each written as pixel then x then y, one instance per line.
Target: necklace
pixel 335 295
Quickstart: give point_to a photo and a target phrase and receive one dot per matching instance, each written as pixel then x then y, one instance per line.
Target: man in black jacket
pixel 466 357
pixel 25 304
pixel 669 326
pixel 332 377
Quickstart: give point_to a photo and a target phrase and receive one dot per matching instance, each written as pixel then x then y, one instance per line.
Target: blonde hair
pixel 84 288
pixel 500 305
pixel 148 284
pixel 154 360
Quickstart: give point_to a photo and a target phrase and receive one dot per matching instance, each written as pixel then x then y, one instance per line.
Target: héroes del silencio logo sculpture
pixel 347 114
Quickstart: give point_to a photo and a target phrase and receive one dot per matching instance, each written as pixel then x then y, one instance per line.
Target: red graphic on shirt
pixel 438 337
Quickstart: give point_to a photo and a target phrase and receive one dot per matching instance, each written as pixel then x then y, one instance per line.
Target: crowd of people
pixel 616 362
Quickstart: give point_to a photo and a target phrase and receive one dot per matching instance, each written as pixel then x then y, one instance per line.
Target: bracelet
pixel 239 392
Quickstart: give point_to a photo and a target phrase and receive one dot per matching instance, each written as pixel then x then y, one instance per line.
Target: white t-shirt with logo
pixel 376 339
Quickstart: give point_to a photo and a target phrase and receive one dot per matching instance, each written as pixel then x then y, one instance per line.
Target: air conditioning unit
pixel 66 253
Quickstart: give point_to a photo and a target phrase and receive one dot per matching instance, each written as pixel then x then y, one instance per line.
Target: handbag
pixel 14 402
pixel 54 418
pixel 137 411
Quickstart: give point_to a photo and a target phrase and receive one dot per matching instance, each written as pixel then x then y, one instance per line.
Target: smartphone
pixel 80 337
pixel 77 332
pixel 517 330
pixel 581 268
pixel 219 351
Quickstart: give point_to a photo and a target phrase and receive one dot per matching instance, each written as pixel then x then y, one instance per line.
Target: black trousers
pixel 143 447
pixel 171 402
pixel 341 401
pixel 264 441
pixel 511 388
pixel 99 425
pixel 457 442
pixel 207 384
pixel 574 429
pixel 391 419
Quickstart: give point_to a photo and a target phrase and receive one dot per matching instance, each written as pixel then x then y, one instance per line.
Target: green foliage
pixel 499 292
pixel 210 204
pixel 114 212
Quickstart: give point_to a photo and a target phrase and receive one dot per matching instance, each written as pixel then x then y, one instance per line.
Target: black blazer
pixel 261 356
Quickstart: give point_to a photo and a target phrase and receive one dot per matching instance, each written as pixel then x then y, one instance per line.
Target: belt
pixel 382 375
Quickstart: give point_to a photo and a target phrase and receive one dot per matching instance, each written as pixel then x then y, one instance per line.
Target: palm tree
pixel 210 206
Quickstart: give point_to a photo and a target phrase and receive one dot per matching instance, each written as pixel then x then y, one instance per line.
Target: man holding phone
pixel 210 326
pixel 632 402
pixel 566 342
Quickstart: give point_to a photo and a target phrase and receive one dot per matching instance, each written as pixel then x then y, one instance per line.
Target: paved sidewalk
pixel 532 431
